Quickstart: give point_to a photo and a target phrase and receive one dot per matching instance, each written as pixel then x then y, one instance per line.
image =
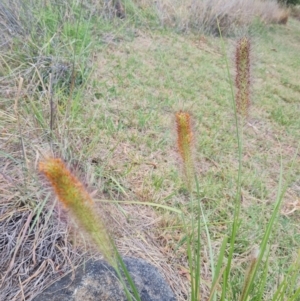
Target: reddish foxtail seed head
pixel 73 195
pixel 67 188
pixel 243 76
pixel 184 142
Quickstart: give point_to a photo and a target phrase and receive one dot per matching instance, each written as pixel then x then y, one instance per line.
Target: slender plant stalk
pixel 197 254
pixel 184 142
pixel 238 196
pixel 218 271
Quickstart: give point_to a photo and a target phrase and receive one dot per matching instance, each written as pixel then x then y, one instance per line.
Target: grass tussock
pixel 42 40
pixel 35 244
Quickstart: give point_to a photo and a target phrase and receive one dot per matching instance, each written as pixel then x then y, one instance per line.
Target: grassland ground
pixel 113 123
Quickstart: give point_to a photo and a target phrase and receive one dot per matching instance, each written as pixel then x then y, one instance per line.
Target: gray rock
pixel 97 281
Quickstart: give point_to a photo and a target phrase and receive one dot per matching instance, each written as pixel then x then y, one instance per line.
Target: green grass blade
pixel 38 210
pixel 286 287
pixel 218 271
pixel 280 194
pixel 190 262
pixel 142 203
pixel 128 278
pixel 198 252
pixel 264 278
pixel 296 295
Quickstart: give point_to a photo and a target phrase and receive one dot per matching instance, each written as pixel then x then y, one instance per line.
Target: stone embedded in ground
pixel 97 281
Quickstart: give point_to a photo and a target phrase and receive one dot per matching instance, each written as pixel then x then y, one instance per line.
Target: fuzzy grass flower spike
pixel 72 194
pixel 243 76
pixel 184 142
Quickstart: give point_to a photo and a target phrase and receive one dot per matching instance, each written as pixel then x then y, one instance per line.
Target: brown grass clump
pixel 34 243
pixel 270 12
pixel 283 18
pixel 203 15
pixel 295 12
pixel 14 18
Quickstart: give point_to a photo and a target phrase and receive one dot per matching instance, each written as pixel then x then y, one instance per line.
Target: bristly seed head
pixel 72 194
pixel 243 76
pixel 184 142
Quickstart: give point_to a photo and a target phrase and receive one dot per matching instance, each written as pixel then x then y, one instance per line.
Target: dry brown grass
pixel 35 237
pixel 203 15
pixel 34 242
pixel 295 12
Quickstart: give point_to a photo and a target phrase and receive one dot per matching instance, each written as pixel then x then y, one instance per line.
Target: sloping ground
pixel 143 81
pixel 119 138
